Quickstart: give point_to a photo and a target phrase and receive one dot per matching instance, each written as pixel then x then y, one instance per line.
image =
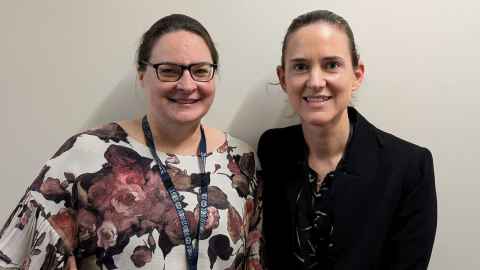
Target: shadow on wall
pixel 266 106
pixel 125 101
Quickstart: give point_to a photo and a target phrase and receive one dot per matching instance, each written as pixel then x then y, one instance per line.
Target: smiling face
pixel 318 75
pixel 185 101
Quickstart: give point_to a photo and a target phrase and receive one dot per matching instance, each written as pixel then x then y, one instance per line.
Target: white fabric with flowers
pixel 100 199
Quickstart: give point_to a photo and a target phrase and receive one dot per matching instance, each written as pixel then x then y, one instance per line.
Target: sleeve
pixel 253 218
pixel 269 208
pixel 41 232
pixel 415 222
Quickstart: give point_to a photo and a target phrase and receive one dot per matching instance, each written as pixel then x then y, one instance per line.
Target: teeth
pixel 316 98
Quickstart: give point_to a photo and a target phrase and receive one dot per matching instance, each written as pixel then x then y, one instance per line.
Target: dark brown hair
pixel 169 24
pixel 321 16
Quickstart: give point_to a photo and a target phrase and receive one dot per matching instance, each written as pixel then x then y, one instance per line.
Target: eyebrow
pixel 173 63
pixel 328 58
pixel 298 59
pixel 333 58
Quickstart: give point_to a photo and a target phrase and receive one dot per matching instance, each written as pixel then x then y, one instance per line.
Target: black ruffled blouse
pixel 314 222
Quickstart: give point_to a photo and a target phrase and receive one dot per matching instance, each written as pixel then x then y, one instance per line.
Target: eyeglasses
pixel 170 72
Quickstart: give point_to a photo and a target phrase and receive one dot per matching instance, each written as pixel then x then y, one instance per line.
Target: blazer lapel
pixel 352 183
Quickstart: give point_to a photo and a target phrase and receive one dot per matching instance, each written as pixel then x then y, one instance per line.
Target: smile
pixel 183 100
pixel 319 99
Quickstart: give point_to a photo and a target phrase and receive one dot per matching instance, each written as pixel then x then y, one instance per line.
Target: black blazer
pixel 384 200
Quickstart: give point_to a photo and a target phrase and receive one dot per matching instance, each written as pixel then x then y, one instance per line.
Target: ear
pixel 359 73
pixel 141 77
pixel 281 77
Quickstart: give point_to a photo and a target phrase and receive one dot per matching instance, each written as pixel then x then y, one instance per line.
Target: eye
pixel 300 67
pixel 332 65
pixel 202 70
pixel 168 70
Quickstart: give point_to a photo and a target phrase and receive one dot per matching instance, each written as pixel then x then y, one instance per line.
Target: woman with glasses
pixel 161 192
pixel 340 193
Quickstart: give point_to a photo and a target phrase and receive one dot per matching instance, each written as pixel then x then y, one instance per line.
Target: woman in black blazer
pixel 338 192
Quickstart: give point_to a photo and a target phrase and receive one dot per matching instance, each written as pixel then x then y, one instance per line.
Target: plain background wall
pixel 69 65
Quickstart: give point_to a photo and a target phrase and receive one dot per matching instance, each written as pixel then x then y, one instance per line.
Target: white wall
pixel 68 65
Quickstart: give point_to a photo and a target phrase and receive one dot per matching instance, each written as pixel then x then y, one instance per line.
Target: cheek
pixel 294 86
pixel 294 99
pixel 208 90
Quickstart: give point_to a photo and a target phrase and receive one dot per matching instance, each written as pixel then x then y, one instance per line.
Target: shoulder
pixel 391 146
pixel 280 147
pixel 276 135
pixel 409 161
pixel 402 148
pixel 287 139
pixel 89 150
pixel 107 133
pixel 416 161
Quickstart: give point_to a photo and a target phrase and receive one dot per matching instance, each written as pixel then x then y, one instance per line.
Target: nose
pixel 186 82
pixel 316 79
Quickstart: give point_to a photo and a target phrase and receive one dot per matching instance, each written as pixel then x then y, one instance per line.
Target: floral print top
pixel 100 199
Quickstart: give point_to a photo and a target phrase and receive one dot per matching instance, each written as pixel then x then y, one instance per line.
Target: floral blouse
pixel 100 199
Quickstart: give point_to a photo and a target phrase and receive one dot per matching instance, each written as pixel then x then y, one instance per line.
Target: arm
pixel 41 231
pixel 414 225
pixel 254 218
pixel 265 151
pixel 36 236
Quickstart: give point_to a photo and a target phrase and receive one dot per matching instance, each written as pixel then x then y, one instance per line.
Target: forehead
pixel 318 39
pixel 181 47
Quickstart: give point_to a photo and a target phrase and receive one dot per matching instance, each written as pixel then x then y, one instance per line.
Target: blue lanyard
pixel 190 250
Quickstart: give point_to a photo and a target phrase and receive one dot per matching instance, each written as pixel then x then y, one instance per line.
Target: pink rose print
pixel 213 220
pixel 247 164
pixel 180 179
pixel 132 174
pixel 100 193
pixel 65 225
pixel 234 225
pixel 121 222
pixel 254 264
pixel 213 217
pixel 253 237
pixel 240 182
pixel 26 263
pixel 24 219
pixel 154 186
pixel 126 198
pixel 52 189
pixel 127 166
pixel 107 235
pixel 233 166
pixel 87 224
pixel 25 215
pixel 173 228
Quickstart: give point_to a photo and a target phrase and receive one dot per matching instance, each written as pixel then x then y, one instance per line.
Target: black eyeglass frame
pixel 183 68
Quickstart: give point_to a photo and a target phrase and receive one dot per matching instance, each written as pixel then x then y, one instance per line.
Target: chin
pixel 186 118
pixel 319 119
pixel 324 116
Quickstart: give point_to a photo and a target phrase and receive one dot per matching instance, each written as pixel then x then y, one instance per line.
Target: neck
pixel 175 138
pixel 327 143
